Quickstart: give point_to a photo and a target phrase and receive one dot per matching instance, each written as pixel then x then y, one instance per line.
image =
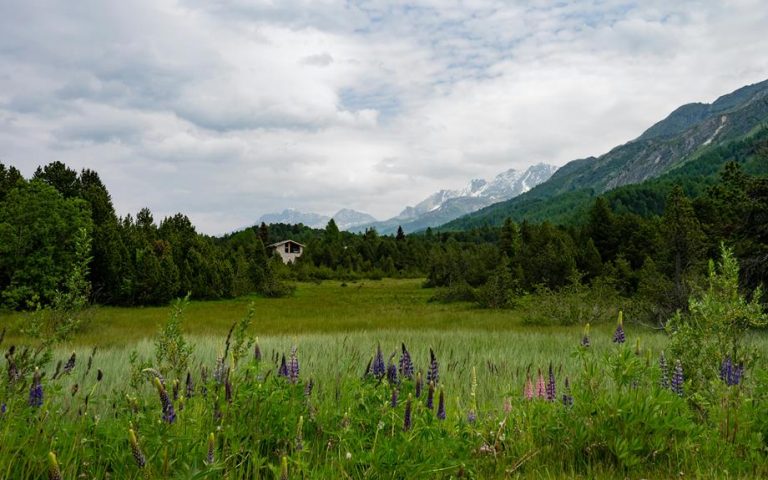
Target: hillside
pixel 683 136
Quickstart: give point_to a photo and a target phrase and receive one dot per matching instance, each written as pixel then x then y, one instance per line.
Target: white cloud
pixel 226 110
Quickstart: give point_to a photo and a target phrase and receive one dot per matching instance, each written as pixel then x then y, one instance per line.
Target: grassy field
pixel 613 431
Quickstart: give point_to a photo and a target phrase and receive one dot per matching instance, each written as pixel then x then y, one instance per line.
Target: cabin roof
pixel 284 242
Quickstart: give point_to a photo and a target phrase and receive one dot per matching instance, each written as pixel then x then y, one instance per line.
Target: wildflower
pixel 431 396
pixel 36 390
pixel 283 370
pixel 169 414
pixel 54 472
pixel 406 365
pixel 138 456
pixel 348 456
pixel 664 371
pixel 567 397
pixel 585 342
pixel 407 416
pixel 472 415
pixel 618 335
pixel 308 388
pixel 3 408
pixel 738 373
pixel 418 384
pixel 293 366
pixel 257 351
pixel 541 389
pixel 210 456
pixel 393 400
pixel 284 468
pixel 550 388
pixel 391 370
pixel 379 370
pixel 190 385
pixel 203 381
pixel 677 378
pixel 441 405
pixel 70 365
pixel 300 434
pixel 528 389
pixel 433 374
pixel 220 372
pixel 730 373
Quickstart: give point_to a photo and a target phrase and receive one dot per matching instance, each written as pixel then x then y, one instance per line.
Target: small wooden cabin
pixel 287 249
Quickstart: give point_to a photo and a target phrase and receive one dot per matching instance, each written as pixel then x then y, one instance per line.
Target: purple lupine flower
pixel 433 374
pixel 308 388
pixel 220 372
pixel 379 369
pixel 138 455
pixel 210 457
pixel 618 335
pixel 70 365
pixel 169 414
pixel 664 371
pixel 431 396
pixel 567 397
pixel 738 373
pixel 677 379
pixel 393 400
pixel 550 388
pixel 418 384
pixel 407 416
pixel 293 366
pixel 441 406
pixel 471 416
pixel 406 365
pixel 283 370
pixel 726 370
pixel 392 370
pixel 36 390
pixel 190 386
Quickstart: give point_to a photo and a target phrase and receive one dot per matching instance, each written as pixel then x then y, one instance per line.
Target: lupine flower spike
pixel 418 384
pixel 541 389
pixel 585 342
pixel 677 379
pixel 293 366
pixel 664 371
pixel 190 386
pixel 283 370
pixel 300 435
pixel 393 400
pixel 730 373
pixel 138 455
pixel 441 405
pixel 472 415
pixel 407 416
pixel 550 389
pixel 169 414
pixel 618 335
pixel 433 374
pixel 284 468
pixel 210 456
pixel 431 396
pixel 54 472
pixel 406 365
pixel 379 369
pixel 70 365
pixel 567 397
pixel 392 370
pixel 36 390
pixel 528 390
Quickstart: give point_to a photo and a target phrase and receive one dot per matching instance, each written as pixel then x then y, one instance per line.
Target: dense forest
pixel 649 242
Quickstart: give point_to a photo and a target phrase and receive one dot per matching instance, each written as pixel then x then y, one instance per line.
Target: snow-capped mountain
pixel 345 218
pixel 446 205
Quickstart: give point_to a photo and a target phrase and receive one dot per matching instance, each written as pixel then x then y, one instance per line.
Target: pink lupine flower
pixel 541 387
pixel 528 391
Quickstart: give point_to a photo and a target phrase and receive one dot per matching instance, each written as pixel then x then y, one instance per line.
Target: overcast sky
pixel 226 110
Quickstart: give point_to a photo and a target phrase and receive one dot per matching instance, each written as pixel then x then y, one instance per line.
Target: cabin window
pixel 295 248
pixel 287 248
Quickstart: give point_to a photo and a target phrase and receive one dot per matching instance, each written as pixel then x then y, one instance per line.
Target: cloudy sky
pixel 226 110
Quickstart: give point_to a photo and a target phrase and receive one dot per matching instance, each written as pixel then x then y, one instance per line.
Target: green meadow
pixel 621 425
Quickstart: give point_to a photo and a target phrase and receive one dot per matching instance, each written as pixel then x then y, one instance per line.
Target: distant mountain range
pixel 436 209
pixel 683 136
pixel 345 218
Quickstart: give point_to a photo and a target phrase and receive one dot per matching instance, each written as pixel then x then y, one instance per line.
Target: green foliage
pixel 716 326
pixel 172 351
pixel 574 304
